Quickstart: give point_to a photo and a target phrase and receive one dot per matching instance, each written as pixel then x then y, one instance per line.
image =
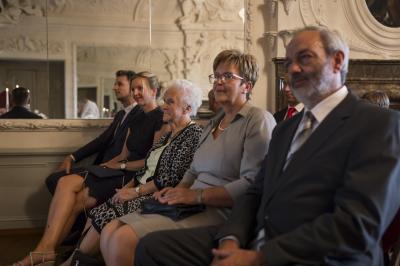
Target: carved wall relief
pixel 27 44
pixel 209 26
pixel 287 5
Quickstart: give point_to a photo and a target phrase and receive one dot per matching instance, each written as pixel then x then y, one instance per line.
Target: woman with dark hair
pixel 77 192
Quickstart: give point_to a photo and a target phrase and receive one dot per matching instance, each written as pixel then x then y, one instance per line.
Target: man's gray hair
pixel 332 42
pixel 191 93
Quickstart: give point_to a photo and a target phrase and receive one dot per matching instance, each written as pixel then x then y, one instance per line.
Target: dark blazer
pixel 280 115
pixel 337 195
pixel 110 143
pixel 20 112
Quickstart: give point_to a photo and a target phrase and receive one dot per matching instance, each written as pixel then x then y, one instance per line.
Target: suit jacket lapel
pixel 329 126
pixel 286 136
pixel 120 128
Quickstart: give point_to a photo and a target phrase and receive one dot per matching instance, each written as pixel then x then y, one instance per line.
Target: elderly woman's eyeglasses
pixel 223 77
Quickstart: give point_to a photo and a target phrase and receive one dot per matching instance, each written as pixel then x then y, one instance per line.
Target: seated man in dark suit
pixel 293 106
pixel 20 100
pixel 329 185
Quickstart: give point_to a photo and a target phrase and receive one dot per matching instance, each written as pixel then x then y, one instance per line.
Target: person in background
pixel 212 104
pixel 328 188
pixel 88 109
pixel 230 154
pixel 378 98
pixel 293 107
pixel 20 100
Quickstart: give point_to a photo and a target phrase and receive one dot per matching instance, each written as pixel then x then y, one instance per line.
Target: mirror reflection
pixel 67 52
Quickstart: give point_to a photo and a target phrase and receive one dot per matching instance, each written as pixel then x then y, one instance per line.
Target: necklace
pixel 173 135
pixel 219 125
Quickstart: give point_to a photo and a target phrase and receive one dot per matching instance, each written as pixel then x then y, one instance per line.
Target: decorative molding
pixel 286 36
pixel 287 5
pixel 273 7
pixel 364 35
pixel 368 34
pixel 27 44
pixel 312 12
pixel 206 11
pixel 94 7
pixel 11 12
pixel 52 124
pixel 141 11
pixel 272 39
pixel 248 25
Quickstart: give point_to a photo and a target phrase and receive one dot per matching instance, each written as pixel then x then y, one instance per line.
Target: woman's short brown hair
pixel 246 63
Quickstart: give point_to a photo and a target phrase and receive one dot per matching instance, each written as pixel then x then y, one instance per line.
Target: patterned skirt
pixel 108 211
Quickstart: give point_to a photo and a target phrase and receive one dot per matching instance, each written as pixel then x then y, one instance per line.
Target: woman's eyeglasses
pixel 223 77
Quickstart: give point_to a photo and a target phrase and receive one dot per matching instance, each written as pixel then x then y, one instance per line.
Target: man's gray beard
pixel 314 92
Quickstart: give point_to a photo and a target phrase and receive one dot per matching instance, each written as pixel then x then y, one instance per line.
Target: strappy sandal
pixel 42 255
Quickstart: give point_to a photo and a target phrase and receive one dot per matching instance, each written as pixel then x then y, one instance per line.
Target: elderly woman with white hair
pixel 165 165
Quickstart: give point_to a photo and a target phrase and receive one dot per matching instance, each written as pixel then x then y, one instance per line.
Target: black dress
pixel 139 142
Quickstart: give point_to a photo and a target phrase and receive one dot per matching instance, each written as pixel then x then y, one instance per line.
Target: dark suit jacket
pixel 20 112
pixel 337 195
pixel 280 115
pixel 110 143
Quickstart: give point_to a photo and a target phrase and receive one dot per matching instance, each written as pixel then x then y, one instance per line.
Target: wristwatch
pixel 137 190
pixel 122 166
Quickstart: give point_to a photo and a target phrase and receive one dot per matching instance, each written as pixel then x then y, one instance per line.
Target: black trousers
pixel 177 247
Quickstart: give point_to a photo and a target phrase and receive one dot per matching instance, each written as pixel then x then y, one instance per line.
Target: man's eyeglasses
pixel 223 77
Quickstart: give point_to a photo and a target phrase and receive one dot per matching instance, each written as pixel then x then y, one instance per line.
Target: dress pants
pixel 190 246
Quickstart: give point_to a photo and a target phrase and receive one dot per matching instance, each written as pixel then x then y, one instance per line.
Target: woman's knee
pixel 124 236
pixel 73 182
pixel 109 230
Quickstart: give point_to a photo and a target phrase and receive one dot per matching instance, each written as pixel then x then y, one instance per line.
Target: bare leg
pixel 62 206
pixel 90 244
pixel 105 236
pixel 83 201
pixel 121 246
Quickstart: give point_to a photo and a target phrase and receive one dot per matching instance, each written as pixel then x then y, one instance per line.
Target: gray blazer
pixel 336 197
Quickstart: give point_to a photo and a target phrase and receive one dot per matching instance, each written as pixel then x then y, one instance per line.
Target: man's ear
pixel 338 60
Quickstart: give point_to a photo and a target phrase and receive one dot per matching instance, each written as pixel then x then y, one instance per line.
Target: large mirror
pixel 67 52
